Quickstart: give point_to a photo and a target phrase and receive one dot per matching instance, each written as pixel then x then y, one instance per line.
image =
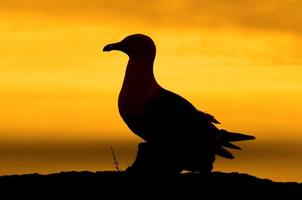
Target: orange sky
pixel 239 60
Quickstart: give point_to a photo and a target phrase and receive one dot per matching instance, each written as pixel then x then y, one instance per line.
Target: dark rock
pixel 120 184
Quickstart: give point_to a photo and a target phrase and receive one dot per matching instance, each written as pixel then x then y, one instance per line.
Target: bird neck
pixel 139 75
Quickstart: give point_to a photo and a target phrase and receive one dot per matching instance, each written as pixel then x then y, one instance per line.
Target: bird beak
pixel 114 46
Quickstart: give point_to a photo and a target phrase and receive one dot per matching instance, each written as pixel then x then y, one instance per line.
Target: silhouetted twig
pixel 116 165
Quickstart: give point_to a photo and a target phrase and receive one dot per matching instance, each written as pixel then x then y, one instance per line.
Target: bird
pixel 179 132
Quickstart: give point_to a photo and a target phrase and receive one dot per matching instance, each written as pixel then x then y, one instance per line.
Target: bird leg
pixel 151 161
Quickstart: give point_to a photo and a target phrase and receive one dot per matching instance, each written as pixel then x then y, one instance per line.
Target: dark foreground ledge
pixel 217 184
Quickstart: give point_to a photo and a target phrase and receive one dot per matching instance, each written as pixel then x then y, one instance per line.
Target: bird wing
pixel 177 128
pixel 208 117
pixel 177 119
pixel 173 119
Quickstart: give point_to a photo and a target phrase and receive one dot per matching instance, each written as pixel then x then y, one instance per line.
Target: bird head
pixel 135 46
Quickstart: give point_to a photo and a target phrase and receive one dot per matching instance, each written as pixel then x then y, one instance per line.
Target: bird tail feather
pixel 224 139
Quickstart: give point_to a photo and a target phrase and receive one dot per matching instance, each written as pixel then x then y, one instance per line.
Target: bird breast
pixel 132 102
pixel 132 105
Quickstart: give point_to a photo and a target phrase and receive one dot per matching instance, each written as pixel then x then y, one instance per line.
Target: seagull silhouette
pixel 180 133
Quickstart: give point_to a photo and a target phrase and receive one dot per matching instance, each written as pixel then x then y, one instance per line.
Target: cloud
pixel 269 14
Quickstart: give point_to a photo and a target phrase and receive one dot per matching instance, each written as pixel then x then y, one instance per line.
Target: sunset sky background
pixel 238 60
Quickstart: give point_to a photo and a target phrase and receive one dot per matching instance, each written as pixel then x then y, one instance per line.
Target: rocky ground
pixel 119 184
